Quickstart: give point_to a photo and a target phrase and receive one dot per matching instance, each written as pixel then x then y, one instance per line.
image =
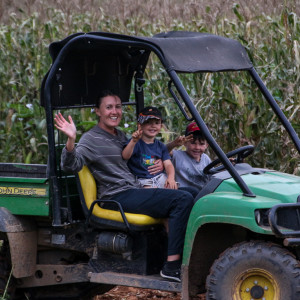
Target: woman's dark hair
pixel 103 94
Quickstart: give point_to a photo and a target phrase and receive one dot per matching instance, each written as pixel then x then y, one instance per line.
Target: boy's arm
pixel 170 182
pixel 128 150
pixel 179 141
pixel 176 143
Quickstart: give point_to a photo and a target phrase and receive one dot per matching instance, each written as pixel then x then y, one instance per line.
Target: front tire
pixel 254 270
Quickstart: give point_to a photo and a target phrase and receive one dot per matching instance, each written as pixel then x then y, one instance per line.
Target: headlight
pixel 261 217
pixel 257 217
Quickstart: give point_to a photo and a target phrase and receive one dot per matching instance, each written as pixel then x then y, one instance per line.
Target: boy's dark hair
pixel 193 129
pixel 198 136
pixel 103 94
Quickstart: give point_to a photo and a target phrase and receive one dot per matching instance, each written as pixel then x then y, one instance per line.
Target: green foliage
pixel 231 105
pixel 5 294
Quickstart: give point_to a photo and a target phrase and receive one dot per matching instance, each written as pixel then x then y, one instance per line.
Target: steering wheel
pixel 241 153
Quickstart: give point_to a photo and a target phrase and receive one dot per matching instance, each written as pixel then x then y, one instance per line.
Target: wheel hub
pixel 257 292
pixel 255 284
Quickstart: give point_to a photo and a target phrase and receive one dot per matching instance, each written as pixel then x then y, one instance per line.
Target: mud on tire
pixel 254 270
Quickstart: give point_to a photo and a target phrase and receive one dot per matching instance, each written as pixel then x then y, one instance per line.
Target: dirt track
pixel 130 293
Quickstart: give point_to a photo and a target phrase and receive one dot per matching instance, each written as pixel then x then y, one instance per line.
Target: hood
pixel 269 184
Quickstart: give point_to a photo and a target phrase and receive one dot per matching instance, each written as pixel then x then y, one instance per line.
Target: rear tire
pixel 4 271
pixel 254 270
pixel 7 282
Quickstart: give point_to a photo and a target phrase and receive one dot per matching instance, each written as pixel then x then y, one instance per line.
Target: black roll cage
pixel 174 79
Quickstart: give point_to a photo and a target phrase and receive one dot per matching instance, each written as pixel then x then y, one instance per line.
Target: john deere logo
pixel 4 190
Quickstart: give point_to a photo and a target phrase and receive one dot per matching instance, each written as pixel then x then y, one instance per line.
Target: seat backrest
pixel 70 202
pixel 89 195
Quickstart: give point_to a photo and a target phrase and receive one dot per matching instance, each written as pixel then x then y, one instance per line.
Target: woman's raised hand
pixel 68 128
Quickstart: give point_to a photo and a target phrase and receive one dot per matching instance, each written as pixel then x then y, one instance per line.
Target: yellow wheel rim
pixel 255 284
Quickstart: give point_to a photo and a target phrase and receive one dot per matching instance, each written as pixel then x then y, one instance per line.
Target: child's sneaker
pixel 172 271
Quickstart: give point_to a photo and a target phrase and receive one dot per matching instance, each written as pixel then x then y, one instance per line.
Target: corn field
pixel 231 104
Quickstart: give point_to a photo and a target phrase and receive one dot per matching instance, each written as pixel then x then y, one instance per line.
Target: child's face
pixel 196 148
pixel 151 127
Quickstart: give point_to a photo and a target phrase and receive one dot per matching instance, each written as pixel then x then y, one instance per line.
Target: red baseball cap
pixel 191 128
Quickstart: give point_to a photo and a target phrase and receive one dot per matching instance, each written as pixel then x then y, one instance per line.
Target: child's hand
pixel 188 138
pixel 171 184
pixel 179 141
pixel 232 160
pixel 137 135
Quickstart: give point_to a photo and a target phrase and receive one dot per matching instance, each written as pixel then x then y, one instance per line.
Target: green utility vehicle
pixel 243 236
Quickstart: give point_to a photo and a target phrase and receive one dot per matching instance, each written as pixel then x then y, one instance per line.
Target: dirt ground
pixel 130 293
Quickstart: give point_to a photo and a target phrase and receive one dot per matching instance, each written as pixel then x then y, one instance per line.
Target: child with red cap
pixel 189 164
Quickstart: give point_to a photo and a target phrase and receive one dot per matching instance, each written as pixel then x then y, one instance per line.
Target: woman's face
pixel 110 113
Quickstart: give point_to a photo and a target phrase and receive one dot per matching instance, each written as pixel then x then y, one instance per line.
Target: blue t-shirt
pixel 144 155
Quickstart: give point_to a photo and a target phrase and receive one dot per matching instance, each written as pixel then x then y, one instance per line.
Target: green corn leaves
pixel 231 105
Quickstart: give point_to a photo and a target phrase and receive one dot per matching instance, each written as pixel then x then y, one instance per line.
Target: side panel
pixel 25 196
pixel 227 208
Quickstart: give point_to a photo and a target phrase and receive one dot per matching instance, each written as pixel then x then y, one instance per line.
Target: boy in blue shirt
pixel 144 149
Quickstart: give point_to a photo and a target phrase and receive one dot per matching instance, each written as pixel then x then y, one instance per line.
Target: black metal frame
pixel 110 202
pixel 88 38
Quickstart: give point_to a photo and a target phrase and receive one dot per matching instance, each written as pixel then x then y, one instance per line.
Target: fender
pixel 22 237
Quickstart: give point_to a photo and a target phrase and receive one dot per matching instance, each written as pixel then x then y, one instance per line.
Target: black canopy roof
pixel 84 64
pixel 191 52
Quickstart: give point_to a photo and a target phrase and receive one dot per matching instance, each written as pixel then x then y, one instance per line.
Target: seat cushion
pixel 89 190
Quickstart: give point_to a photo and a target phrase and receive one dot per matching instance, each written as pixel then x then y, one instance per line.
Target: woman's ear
pixel 97 111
